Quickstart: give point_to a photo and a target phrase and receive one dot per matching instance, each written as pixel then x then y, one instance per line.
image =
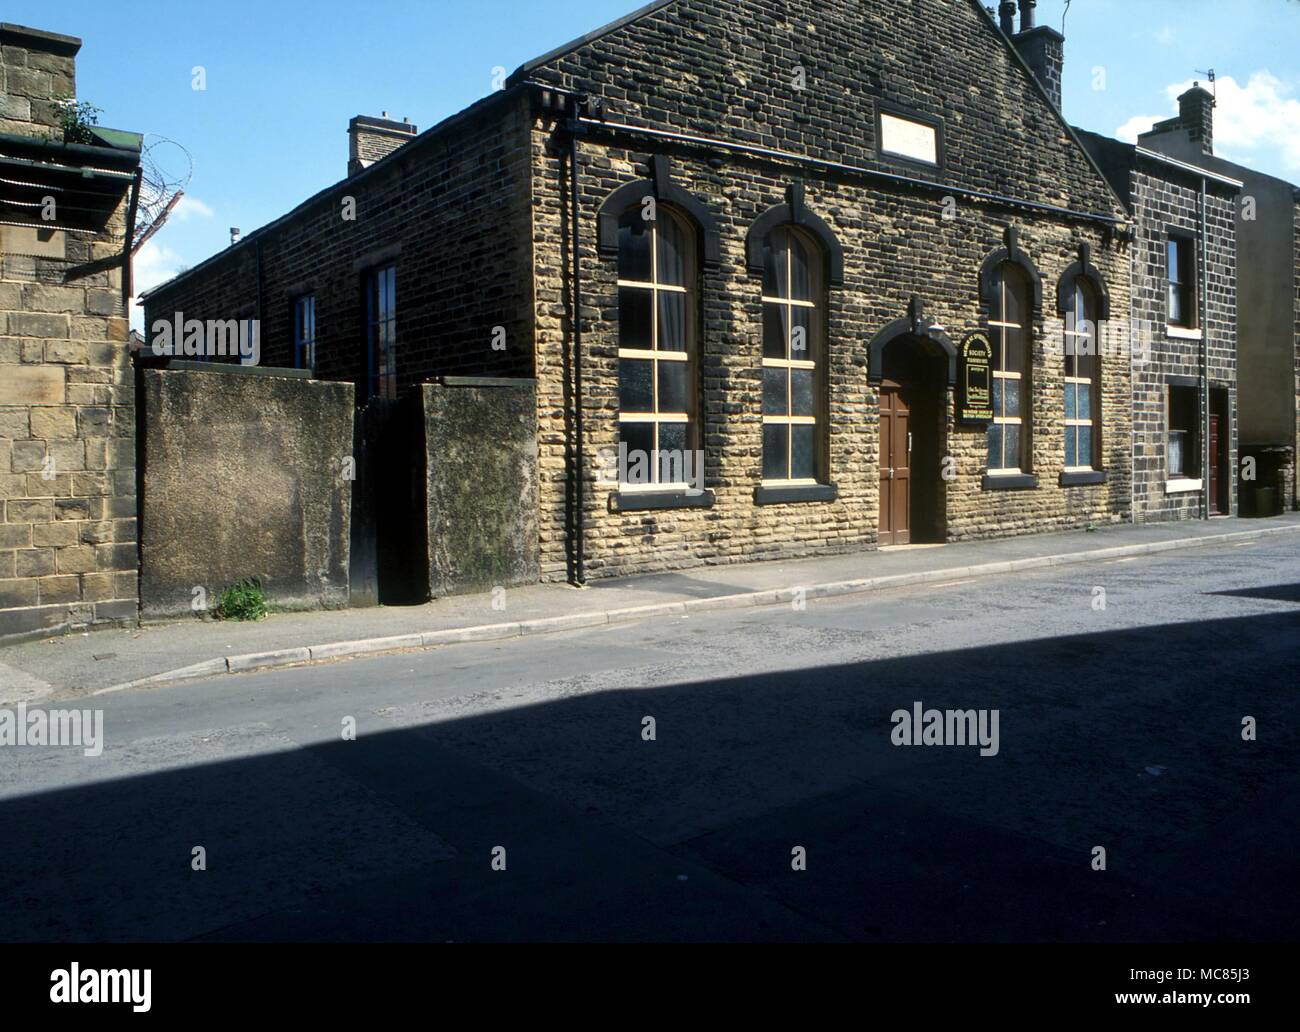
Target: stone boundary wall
pixel 243 476
pixel 481 462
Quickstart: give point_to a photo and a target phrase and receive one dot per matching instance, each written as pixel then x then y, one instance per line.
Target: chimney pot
pixel 1027 14
pixel 1007 16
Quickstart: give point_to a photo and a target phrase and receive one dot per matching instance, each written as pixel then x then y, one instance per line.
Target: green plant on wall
pixel 243 601
pixel 78 120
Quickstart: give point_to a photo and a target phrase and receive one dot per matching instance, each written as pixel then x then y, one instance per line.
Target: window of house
pixel 304 332
pixel 1081 380
pixel 656 346
pixel 1180 264
pixel 381 331
pixel 1009 330
pixel 1183 454
pixel 793 313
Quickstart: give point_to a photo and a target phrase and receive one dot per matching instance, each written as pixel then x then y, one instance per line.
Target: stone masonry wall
pixel 37 71
pixel 242 479
pixel 1161 204
pixel 480 439
pixel 67 415
pixel 723 71
pixel 731 69
pixel 895 246
pixel 67 443
pixel 450 209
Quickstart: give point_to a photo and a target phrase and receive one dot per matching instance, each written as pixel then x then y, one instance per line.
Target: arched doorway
pixel 913 363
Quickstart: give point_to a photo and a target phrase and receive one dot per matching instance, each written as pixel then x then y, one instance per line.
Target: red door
pixel 895 467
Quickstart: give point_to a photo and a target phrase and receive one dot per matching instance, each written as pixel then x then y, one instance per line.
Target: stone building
pixel 1184 323
pixel 1268 278
pixel 792 278
pixel 67 436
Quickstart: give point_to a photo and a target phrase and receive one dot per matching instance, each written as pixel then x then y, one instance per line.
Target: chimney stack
pixel 1043 49
pixel 1196 113
pixel 370 139
pixel 1007 17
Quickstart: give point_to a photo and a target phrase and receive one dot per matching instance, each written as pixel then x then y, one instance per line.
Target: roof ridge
pixel 590 37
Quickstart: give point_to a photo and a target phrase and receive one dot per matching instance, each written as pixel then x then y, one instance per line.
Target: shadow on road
pixel 1127 740
pixel 1273 593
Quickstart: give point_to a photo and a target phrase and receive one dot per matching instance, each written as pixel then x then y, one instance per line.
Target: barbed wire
pixel 166 170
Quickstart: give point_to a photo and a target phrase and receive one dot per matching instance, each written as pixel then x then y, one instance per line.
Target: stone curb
pixel 574 621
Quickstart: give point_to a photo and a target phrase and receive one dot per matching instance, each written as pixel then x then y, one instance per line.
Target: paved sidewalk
pixel 157 654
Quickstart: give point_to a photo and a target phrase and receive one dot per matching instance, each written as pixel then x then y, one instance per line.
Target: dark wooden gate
pixel 389 558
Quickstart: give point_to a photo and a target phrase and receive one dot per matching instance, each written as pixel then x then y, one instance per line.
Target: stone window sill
pixel 795 493
pixel 647 501
pixel 1183 486
pixel 1010 482
pixel 1082 477
pixel 1182 333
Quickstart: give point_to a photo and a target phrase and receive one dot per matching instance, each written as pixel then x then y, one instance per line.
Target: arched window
pixel 1010 327
pixel 794 310
pixel 1081 387
pixel 656 345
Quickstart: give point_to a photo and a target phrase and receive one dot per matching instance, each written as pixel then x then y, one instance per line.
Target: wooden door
pixel 895 467
pixel 1215 479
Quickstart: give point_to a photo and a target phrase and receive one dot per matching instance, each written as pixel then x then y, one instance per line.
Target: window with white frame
pixel 793 314
pixel 1180 270
pixel 1081 381
pixel 1009 329
pixel 656 345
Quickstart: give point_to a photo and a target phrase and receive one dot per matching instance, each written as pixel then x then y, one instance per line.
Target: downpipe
pixel 1205 352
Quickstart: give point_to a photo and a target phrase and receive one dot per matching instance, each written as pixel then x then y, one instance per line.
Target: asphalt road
pixel 1119 728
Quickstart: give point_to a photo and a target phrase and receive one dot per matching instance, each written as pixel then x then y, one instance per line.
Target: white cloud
pixel 154 264
pixel 1260 118
pixel 1138 124
pixel 1165 36
pixel 190 207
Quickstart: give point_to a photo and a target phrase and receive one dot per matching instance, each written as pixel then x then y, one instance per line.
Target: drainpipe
pixel 137 378
pixel 1205 352
pixel 580 522
pixel 127 250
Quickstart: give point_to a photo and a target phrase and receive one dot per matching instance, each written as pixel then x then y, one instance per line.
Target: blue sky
pixel 283 78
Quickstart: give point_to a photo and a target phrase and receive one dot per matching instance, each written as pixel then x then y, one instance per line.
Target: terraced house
pixel 1185 318
pixel 842 252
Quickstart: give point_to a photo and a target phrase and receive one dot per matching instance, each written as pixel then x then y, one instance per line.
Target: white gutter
pixel 1195 170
